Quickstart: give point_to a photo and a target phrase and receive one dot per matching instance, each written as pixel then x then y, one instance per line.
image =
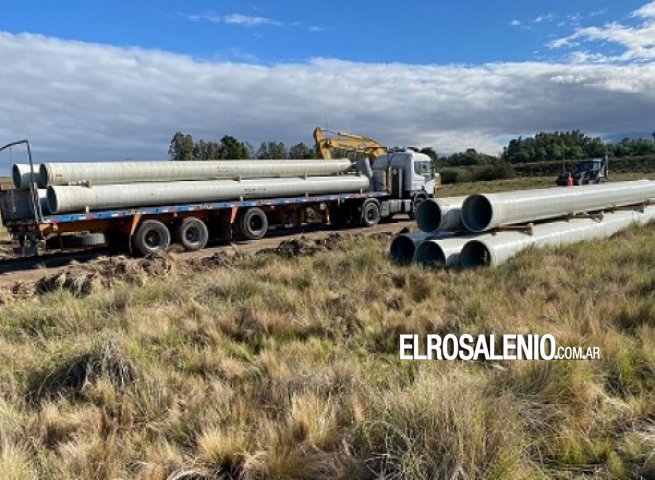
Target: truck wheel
pixel 192 234
pixel 370 214
pixel 151 237
pixel 253 224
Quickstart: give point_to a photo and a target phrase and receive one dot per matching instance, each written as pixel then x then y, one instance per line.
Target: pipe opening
pixel 16 177
pixel 429 253
pixel 474 254
pixel 402 249
pixel 43 176
pixel 51 197
pixel 428 215
pixel 477 213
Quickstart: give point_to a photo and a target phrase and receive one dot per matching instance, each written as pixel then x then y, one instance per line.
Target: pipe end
pixel 43 175
pixel 402 249
pixel 51 199
pixel 16 177
pixel 477 213
pixel 429 253
pixel 428 215
pixel 474 254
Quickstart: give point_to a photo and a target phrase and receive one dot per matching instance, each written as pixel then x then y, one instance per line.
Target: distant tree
pixel 206 150
pixel 469 157
pixel 232 148
pixel 272 150
pixel 301 151
pixel 181 147
pixel 430 152
pixel 653 135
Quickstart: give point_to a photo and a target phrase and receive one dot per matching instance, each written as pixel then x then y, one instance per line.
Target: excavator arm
pixel 347 141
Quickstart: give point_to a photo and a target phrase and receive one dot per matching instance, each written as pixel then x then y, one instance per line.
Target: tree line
pixel 184 147
pixel 544 146
pixel 572 145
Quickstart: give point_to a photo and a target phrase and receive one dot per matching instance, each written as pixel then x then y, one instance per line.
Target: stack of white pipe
pixel 71 187
pixel 475 238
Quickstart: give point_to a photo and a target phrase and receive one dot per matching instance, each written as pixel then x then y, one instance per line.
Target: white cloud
pixel 646 11
pixel 234 19
pixel 79 101
pixel 248 21
pixel 547 17
pixel 637 42
pixel 515 23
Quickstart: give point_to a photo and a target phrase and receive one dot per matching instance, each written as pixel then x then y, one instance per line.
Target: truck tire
pixel 192 234
pixel 370 213
pixel 253 224
pixel 151 237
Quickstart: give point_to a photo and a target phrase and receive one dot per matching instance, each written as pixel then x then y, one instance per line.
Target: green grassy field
pixel 287 368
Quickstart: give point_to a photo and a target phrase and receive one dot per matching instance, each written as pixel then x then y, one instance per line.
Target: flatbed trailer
pixel 135 228
pixel 149 229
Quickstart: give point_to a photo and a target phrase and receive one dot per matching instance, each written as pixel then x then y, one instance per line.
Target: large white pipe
pixel 21 175
pixel 496 248
pixel 403 246
pixel 487 211
pixel 443 251
pixel 440 214
pixel 74 198
pixel 134 172
pixel 17 204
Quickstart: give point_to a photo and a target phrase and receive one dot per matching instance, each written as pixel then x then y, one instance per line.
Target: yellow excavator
pixel 347 141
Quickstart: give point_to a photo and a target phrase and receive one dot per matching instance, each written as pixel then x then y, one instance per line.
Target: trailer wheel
pixel 192 234
pixel 253 224
pixel 370 213
pixel 151 237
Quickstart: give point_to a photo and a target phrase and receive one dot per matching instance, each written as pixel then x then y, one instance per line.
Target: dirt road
pixel 14 270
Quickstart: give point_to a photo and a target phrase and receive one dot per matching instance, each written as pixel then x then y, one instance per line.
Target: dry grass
pixel 288 369
pixel 519 183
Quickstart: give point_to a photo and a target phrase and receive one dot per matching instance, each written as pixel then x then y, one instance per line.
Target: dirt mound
pixel 104 273
pixel 217 260
pixel 302 247
pixel 134 270
pixel 80 284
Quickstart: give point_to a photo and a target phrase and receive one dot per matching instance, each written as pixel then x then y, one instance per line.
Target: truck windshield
pixel 424 168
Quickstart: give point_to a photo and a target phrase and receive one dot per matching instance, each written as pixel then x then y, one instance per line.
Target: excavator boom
pixel 347 141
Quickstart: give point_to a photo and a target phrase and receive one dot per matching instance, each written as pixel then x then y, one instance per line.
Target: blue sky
pixel 107 80
pixel 413 31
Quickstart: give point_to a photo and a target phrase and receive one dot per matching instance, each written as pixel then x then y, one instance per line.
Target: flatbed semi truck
pixel 145 230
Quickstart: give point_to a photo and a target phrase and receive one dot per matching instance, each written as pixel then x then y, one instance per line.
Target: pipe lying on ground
pixel 52 174
pixel 403 247
pixel 74 198
pixel 496 248
pixel 21 175
pixel 487 211
pixel 440 214
pixel 444 251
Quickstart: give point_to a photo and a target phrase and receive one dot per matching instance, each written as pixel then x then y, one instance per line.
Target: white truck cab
pixel 413 173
